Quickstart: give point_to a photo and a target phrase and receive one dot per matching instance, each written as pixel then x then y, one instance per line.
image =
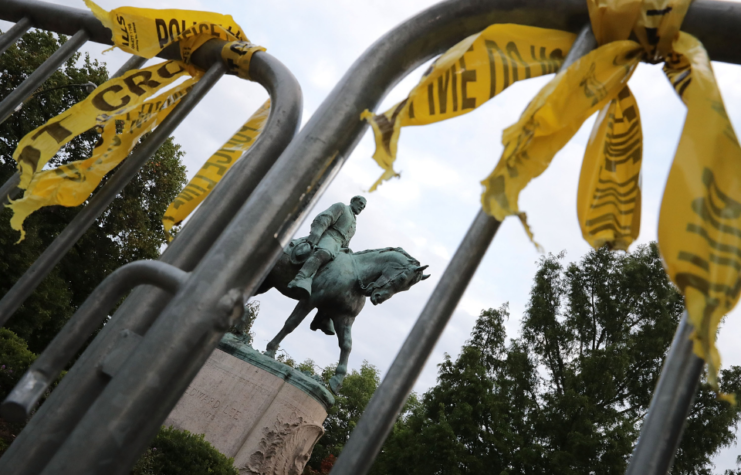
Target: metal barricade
pixel 239 182
pixel 99 420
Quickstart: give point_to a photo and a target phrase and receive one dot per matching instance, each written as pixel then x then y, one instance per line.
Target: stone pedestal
pixel 264 414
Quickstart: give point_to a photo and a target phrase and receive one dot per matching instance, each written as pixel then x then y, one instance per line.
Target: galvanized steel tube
pixel 89 317
pixel 14 33
pixel 47 68
pixel 670 405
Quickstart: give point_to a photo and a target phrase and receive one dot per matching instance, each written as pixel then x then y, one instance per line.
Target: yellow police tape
pixel 467 75
pixel 609 198
pixel 214 169
pixel 700 220
pixel 72 183
pixel 140 31
pixel 117 96
pixel 552 118
pixel 145 32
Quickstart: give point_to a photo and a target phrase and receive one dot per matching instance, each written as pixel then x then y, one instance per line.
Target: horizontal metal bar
pixel 100 201
pixel 90 316
pixel 670 405
pixel 54 420
pixel 42 73
pixel 9 38
pixel 714 23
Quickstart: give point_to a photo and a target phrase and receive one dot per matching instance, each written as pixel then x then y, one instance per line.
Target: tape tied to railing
pixel 122 109
pixel 700 217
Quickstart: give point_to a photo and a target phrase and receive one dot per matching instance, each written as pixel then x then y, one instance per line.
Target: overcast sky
pixel 429 209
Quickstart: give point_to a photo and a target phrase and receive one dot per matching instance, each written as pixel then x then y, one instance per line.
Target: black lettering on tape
pixel 165 73
pixel 100 102
pixel 431 98
pixel 135 87
pixel 491 48
pixel 55 129
pixel 442 91
pixel 161 27
pixel 514 56
pixel 466 77
pixel 174 32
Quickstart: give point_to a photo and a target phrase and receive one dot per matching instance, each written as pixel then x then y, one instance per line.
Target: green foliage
pixel 567 396
pixel 357 390
pixel 15 358
pixel 130 229
pixel 178 452
pixel 243 327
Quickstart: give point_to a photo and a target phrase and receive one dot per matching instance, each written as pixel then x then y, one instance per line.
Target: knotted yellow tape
pixel 700 221
pixel 214 169
pixel 127 99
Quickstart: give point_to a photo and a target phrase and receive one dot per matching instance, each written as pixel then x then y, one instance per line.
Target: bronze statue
pixel 339 288
pixel 331 230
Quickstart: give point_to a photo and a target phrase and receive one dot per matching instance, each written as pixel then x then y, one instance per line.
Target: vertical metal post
pixel 77 227
pixel 47 68
pixel 11 36
pixel 670 405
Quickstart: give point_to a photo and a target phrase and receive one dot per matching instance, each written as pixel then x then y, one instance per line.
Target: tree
pixel 129 230
pixel 357 390
pixel 567 396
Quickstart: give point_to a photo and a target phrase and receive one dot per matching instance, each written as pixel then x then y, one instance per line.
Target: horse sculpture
pixel 339 290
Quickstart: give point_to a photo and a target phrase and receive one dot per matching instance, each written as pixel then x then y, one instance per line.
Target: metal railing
pixel 265 70
pixel 99 422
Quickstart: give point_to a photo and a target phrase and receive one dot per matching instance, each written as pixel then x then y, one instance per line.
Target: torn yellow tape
pixel 466 76
pixel 145 31
pixel 71 184
pixel 609 197
pixel 215 168
pixel 552 118
pixel 117 96
pixel 700 220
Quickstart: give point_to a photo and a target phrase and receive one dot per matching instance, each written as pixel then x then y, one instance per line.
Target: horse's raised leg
pixel 297 316
pixel 343 327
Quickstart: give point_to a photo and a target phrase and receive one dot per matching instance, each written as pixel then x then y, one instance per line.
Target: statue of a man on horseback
pixel 331 230
pixel 322 273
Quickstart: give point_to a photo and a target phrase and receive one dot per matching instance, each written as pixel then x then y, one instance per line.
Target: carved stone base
pixel 262 413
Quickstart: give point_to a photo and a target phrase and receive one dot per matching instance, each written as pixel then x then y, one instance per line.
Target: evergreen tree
pixel 567 396
pixel 129 230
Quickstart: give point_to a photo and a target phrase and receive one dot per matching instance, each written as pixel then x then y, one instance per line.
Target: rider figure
pixel 330 231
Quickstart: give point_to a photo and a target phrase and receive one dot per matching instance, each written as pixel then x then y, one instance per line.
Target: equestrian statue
pixel 320 271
